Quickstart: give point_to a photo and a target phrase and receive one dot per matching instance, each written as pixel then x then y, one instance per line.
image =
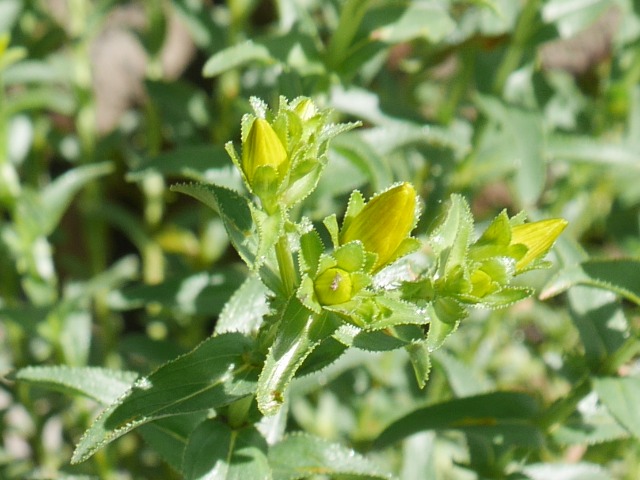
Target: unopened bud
pixel 333 286
pixel 538 237
pixel 384 223
pixel 261 148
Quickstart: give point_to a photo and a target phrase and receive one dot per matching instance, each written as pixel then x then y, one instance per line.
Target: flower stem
pixel 285 265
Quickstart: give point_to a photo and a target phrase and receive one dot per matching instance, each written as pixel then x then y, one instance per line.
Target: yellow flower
pixel 384 223
pixel 538 237
pixel 333 286
pixel 261 148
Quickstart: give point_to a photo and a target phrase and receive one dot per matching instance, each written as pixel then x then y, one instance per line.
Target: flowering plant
pixel 381 284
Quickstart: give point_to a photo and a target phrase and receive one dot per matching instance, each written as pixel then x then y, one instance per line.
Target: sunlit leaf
pixel 214 374
pixel 103 385
pixel 299 456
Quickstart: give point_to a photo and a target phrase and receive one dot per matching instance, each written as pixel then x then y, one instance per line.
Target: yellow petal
pixel 538 237
pixel 384 222
pixel 262 147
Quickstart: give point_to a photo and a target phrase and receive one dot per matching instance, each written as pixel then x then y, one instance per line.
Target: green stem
pixel 285 265
pixel 564 407
pixel 350 17
pixel 524 29
pixel 629 349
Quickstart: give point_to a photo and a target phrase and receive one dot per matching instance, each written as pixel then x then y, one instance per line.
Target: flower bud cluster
pixel 284 153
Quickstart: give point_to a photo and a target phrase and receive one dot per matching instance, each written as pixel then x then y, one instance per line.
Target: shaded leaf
pixel 215 451
pixel 506 417
pixel 203 163
pixel 198 294
pixel 169 436
pixel 234 210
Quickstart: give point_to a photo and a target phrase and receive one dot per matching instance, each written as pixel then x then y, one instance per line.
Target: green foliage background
pixel 530 105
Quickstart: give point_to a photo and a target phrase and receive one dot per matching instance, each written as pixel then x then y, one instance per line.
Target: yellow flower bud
pixel 333 286
pixel 383 223
pixel 262 147
pixel 305 109
pixel 538 237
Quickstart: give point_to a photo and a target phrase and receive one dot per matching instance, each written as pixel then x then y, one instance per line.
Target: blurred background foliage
pixel 516 104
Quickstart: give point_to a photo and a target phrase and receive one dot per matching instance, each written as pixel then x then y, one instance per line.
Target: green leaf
pixel 245 309
pixel 299 333
pixel 215 451
pixel 522 129
pixel 234 210
pixel 465 380
pixel 588 150
pixel 415 20
pixel 212 375
pixel 41 214
pixel 301 456
pixel 590 424
pixel 599 318
pixel 236 56
pixel 198 294
pixel 566 471
pixel 103 385
pixel 202 163
pixel 621 395
pixel 169 436
pixel 620 276
pixel 505 417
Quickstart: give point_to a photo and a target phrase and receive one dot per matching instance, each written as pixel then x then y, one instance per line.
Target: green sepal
pixel 419 291
pixel 311 249
pixel 265 186
pixel 505 297
pixel 445 315
pixel 498 232
pixel 350 257
pixel 378 340
pixel 380 311
pixel 303 180
pixel 331 224
pixel 307 295
pixel 354 206
pixel 451 240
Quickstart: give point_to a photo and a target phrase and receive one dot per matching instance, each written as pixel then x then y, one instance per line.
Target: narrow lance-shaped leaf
pixel 214 374
pixel 302 456
pixel 507 416
pixel 215 451
pixel 234 211
pixel 100 384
